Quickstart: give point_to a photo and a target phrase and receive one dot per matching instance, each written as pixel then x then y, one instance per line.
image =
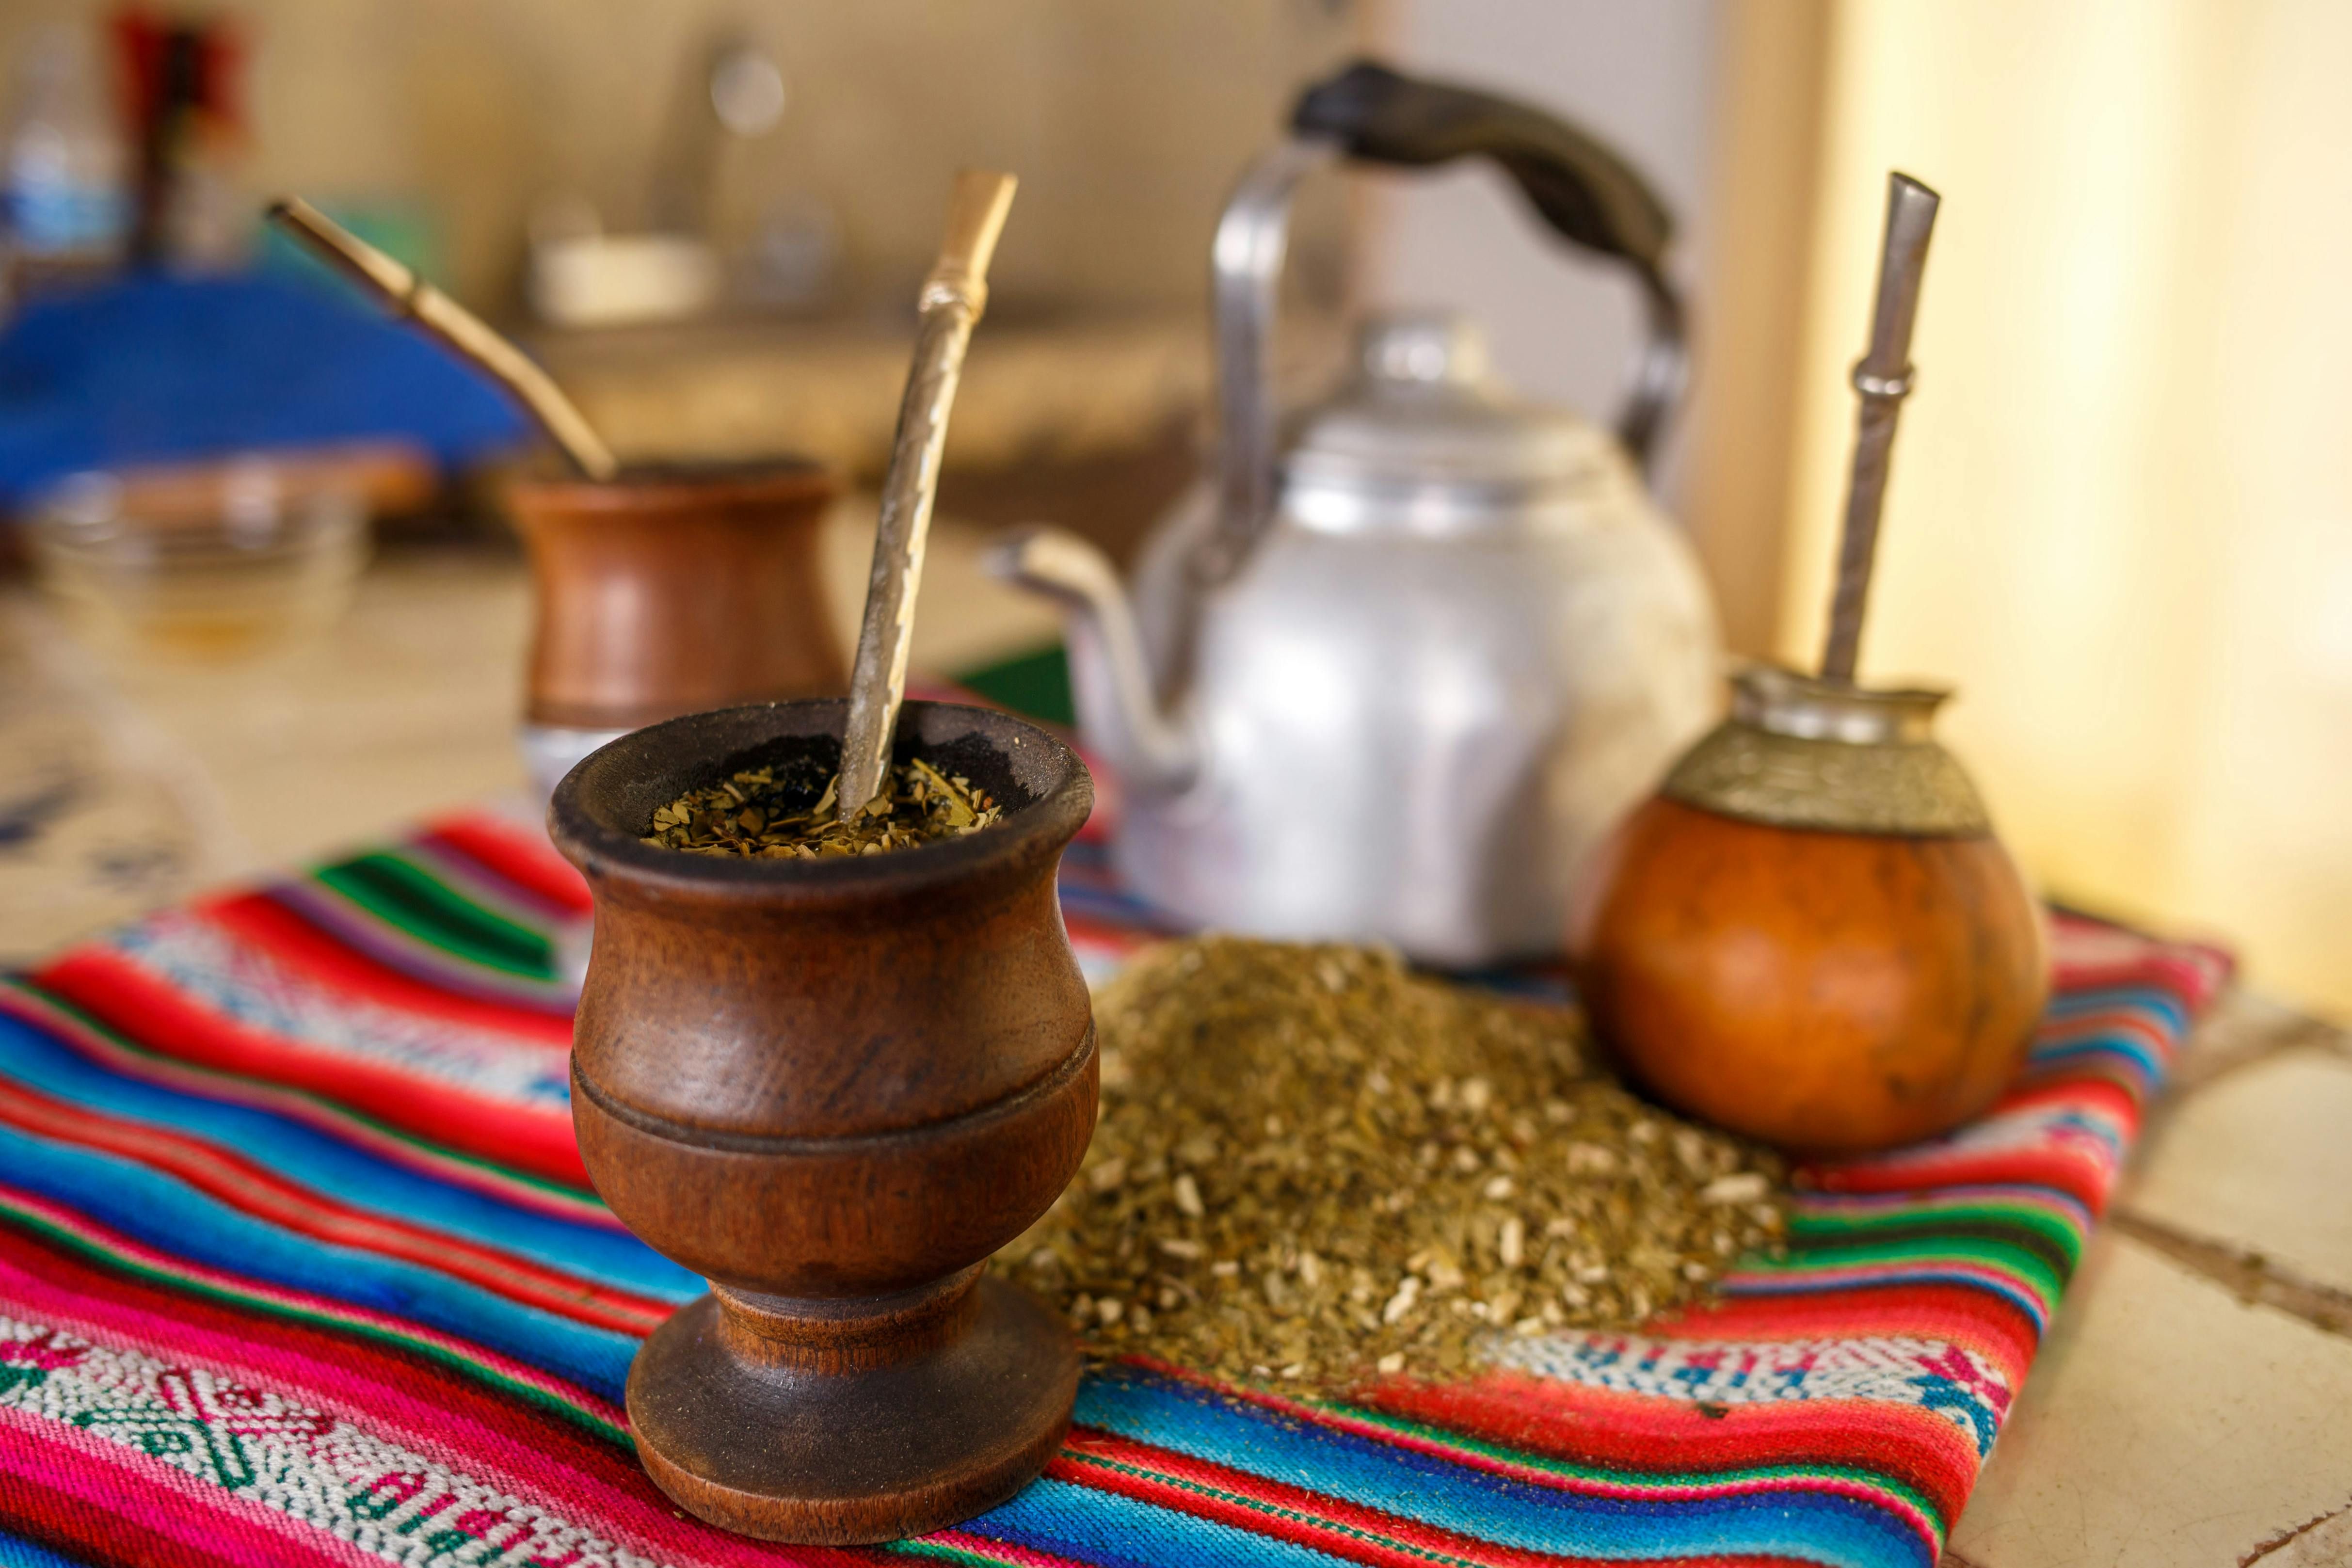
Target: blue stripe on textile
pixel 2147 1055
pixel 1792 1280
pixel 166 1213
pixel 2141 1070
pixel 2172 1009
pixel 40 1061
pixel 1089 885
pixel 1810 1525
pixel 15 1552
pixel 1105 1530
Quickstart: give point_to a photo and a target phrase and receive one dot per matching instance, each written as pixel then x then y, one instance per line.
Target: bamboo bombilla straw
pixel 464 331
pixel 951 302
pixel 1883 378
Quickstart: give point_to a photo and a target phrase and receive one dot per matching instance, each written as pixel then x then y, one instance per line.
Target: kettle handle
pixel 1585 192
pixel 1367 111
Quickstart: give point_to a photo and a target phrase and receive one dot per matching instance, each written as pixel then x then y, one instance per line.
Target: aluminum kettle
pixel 1392 680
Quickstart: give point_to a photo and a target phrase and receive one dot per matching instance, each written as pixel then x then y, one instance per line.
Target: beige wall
pixel 1126 122
pixel 1739 446
pixel 2121 514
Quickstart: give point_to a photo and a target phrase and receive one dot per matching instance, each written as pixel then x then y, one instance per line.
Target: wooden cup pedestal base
pixel 833 1089
pixel 931 1410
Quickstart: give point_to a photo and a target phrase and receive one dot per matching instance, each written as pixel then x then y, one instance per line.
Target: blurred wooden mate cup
pixel 669 590
pixel 658 590
pixel 1811 933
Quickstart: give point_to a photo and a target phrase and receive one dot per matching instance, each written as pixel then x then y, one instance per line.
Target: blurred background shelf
pixel 1089 418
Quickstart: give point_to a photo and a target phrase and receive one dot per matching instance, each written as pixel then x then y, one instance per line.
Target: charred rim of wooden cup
pixel 688 479
pixel 604 808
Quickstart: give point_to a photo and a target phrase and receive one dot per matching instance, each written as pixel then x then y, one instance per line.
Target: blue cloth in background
pixel 154 369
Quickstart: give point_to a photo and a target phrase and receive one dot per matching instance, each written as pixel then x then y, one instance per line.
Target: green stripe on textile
pixel 426 1153
pixel 2026 1266
pixel 2035 1228
pixel 1033 684
pixel 941 1551
pixel 1452 1442
pixel 256 1300
pixel 405 895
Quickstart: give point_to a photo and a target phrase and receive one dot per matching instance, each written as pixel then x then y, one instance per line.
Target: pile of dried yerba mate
pixel 1313 1166
pixel 758 813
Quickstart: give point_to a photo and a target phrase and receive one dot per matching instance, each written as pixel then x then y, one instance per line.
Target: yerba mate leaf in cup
pixel 757 813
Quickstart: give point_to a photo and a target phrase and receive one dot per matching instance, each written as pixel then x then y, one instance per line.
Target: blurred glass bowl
pixel 220 560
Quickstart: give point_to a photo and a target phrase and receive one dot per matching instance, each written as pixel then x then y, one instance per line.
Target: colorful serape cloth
pixel 298 1265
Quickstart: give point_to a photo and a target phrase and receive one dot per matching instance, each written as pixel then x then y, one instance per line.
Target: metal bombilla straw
pixel 953 297
pixel 1883 378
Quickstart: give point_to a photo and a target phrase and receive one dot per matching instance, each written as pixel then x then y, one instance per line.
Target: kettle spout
pixel 1108 677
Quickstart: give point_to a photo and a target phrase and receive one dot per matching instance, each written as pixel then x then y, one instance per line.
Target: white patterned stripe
pixel 1931 1374
pixel 384 1497
pixel 237 983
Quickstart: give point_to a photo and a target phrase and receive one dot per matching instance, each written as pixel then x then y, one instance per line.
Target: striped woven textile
pixel 297 1266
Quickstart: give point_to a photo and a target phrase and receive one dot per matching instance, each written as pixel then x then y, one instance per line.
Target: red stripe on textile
pixel 256 1190
pixel 317 1309
pixel 71 1030
pixel 2083 1171
pixel 257 921
pixel 1120 939
pixel 112 1490
pixel 119 992
pixel 2080 1087
pixel 2123 1018
pixel 65 1522
pixel 500 1443
pixel 519 857
pixel 1661 1440
pixel 2089 954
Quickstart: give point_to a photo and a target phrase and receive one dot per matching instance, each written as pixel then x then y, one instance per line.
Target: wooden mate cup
pixel 669 590
pixel 659 589
pixel 834 1088
pixel 675 589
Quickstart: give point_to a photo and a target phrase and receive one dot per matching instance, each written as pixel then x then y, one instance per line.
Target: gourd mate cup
pixel 1811 934
pixel 834 1088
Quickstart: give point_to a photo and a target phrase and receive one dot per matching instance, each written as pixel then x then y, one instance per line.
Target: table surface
pixel 2192 1404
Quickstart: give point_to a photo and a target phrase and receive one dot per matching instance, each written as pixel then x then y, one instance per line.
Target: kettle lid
pixel 1424 414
